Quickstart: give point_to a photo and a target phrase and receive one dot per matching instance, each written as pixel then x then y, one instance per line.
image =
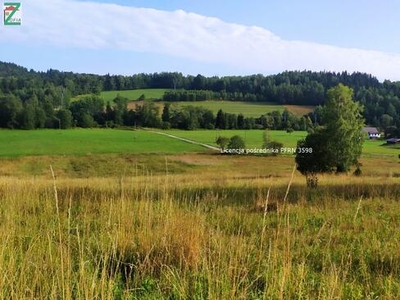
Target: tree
pixel 86 121
pixel 109 115
pixel 64 117
pixel 166 114
pixel 240 121
pixel 10 109
pixel 199 82
pixel 28 117
pixel 266 138
pixel 222 142
pixel 40 117
pixel 236 142
pixel 336 146
pixel 208 120
pixel 147 115
pixel 120 109
pixel 313 157
pixel 220 120
pixel 88 111
pixel 344 122
pixel 386 121
pixel 268 143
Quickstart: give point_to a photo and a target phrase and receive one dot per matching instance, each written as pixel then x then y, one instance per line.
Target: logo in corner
pixel 12 13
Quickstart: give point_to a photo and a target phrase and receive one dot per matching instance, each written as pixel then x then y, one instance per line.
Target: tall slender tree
pixel 343 124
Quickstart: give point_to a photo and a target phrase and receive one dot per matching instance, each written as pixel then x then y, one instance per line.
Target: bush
pixel 275 145
pixel 236 142
pixel 166 125
pixel 222 142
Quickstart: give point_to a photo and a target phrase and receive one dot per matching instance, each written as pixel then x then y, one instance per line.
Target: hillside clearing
pixel 248 109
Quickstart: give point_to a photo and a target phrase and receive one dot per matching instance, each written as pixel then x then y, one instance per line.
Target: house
pixel 372 132
pixel 393 141
pixel 7 11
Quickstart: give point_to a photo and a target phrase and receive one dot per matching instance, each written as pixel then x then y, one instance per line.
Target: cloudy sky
pixel 210 37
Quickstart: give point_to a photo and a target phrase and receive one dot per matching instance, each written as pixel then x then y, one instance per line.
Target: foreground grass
pixel 173 237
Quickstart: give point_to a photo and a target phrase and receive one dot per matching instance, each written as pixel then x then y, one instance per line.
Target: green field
pixel 252 138
pixel 248 109
pixel 15 143
pixel 150 94
pixel 132 95
pixel 379 148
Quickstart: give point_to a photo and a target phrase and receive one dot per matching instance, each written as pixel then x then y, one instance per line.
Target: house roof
pixel 9 8
pixel 371 130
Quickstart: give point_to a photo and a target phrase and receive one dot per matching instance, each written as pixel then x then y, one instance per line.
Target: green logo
pixel 12 13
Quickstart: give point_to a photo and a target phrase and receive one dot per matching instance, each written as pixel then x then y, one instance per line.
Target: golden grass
pixel 199 236
pixel 209 166
pixel 299 110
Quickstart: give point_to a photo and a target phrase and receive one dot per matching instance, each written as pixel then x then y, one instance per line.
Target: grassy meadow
pixel 131 95
pixel 248 109
pixel 86 214
pixel 193 236
pixel 252 138
pixel 150 94
pixel 14 143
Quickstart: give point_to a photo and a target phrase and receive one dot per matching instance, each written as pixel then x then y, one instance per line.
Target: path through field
pixel 185 140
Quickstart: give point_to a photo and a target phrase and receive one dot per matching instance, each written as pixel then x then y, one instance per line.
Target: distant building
pixel 372 132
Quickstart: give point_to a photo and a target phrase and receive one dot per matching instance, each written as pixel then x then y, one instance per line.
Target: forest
pixel 31 99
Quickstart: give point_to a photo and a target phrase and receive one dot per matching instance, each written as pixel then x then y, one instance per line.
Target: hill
pixel 53 89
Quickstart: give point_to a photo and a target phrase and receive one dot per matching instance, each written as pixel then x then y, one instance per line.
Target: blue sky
pixel 217 37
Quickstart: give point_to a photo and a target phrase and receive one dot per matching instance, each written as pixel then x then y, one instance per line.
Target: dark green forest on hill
pixel 30 99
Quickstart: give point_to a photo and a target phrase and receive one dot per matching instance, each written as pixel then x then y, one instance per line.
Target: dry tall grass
pixel 190 237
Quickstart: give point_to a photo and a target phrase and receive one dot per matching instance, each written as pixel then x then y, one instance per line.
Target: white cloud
pixel 90 25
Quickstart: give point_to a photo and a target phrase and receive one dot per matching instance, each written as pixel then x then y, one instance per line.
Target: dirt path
pixel 186 140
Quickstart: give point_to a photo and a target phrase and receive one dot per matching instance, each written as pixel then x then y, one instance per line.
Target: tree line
pixel 89 111
pixel 53 90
